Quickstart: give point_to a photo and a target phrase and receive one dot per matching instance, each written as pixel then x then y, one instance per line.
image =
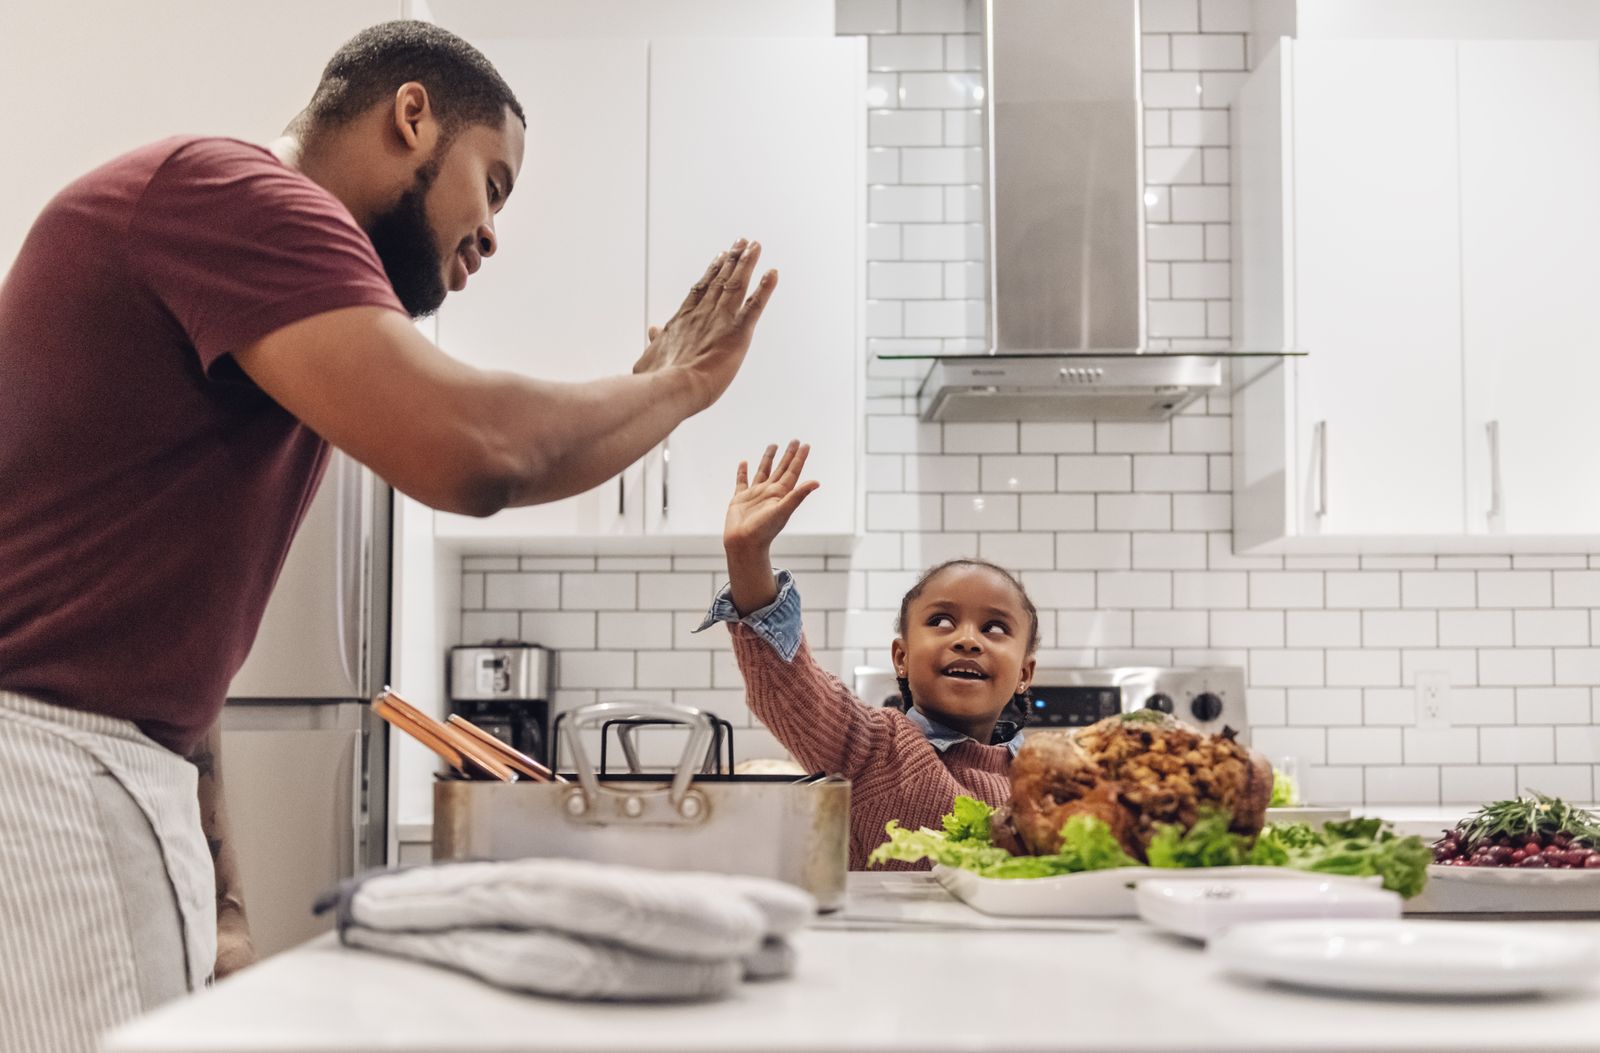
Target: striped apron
pixel 107 888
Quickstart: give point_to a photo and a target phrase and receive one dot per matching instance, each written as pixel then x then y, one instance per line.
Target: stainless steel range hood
pixel 1064 138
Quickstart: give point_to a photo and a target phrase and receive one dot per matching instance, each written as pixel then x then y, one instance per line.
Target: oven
pixel 1208 697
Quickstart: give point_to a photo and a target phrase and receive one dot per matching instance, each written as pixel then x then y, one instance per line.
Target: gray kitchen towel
pixel 671 914
pixel 552 963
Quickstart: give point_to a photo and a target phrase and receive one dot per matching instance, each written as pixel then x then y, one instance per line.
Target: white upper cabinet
pixel 644 160
pixel 1402 218
pixel 765 142
pixel 563 296
pixel 1378 300
pixel 1530 231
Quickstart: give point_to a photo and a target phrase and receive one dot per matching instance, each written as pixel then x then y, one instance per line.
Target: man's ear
pixel 897 655
pixel 414 120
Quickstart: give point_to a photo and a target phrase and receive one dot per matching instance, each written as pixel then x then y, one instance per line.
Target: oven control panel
pixel 1210 698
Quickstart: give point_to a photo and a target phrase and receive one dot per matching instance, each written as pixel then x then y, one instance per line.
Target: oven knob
pixel 1206 707
pixel 1159 701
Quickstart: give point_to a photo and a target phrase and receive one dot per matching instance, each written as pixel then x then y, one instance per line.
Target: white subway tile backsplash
pixel 1552 628
pixel 1375 668
pixel 904 281
pixel 1573 782
pixel 882 473
pixel 1175 241
pixel 601 591
pixel 1524 667
pixel 483 626
pixel 1086 629
pixel 1133 589
pixel 1177 318
pixel 1324 628
pixel 1213 589
pixel 1441 745
pixel 1169 472
pixel 1133 512
pixel 1021 551
pixel 944 317
pixel 963 280
pixel 1207 512
pixel 1407 785
pixel 1480 705
pixel 940 16
pixel 985 437
pixel 1362 590
pixel 1199 128
pixel 1170 629
pixel 503 591
pixel 1517 745
pixel 672 669
pixel 963 204
pixel 472 592
pixel 636 630
pixel 886 588
pixel 677 591
pixel 1155 52
pixel 1250 629
pixel 1292 589
pixel 482 563
pixel 1578 588
pixel 1577 665
pixel 1383 706
pixel 866 16
pixel 559 630
pixel 597 669
pixel 1321 707
pixel 905 204
pixel 901 435
pixel 883 164
pixel 1476 784
pixel 1552 705
pixel 1166 551
pixel 904 51
pixel 1441 588
pixel 1576 745
pixel 943 165
pixel 940 91
pixel 924 550
pixel 1460 667
pixel 1098 473
pixel 1363 745
pixel 1326 786
pixel 1514 588
pixel 1089 551
pixel 1208 51
pixel 1398 562
pixel 1400 628
pixel 1268 706
pixel 1305 745
pixel 935 473
pixel 1475 629
pixel 903 512
pixel 1287 668
pixel 963 51
pixel 1059 590
pixel 1057 437
pixel 981 512
pixel 1057 512
pixel 1218 90
pixel 1034 473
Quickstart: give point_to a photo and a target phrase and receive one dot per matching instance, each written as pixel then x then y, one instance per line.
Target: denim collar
pixel 942 738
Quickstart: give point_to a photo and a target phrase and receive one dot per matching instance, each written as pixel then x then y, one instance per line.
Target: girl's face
pixel 965 648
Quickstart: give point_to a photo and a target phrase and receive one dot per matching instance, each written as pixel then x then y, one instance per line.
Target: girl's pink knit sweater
pixel 894 772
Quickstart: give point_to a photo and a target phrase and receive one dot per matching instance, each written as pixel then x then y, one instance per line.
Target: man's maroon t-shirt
pixel 148 489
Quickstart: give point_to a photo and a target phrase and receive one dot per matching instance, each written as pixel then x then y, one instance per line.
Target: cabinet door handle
pixel 622 497
pixel 1495 507
pixel 1322 467
pixel 666 464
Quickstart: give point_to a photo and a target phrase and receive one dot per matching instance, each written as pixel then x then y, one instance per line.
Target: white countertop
pixel 1020 986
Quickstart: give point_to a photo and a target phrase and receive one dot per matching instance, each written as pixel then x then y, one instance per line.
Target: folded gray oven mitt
pixel 578 930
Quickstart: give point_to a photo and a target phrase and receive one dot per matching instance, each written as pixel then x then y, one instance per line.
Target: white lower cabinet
pixel 644 160
pixel 1399 218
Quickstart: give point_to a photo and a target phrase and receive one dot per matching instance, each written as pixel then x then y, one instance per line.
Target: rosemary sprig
pixel 1528 816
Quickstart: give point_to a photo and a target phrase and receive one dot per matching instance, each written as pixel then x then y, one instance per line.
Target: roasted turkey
pixel 1136 772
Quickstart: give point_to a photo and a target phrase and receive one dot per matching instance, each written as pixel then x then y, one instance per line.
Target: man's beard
pixel 405 244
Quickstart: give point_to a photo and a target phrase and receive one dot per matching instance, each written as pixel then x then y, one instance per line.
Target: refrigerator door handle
pixel 348 573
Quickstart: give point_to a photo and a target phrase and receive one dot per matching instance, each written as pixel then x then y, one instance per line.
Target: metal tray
pixel 772 826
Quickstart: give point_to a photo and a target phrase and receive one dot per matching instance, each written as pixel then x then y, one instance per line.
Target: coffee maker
pixel 504 686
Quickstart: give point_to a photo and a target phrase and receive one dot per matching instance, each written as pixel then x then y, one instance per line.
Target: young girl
pixel 967 634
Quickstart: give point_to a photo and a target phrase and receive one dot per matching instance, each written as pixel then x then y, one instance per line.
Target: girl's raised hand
pixel 761 506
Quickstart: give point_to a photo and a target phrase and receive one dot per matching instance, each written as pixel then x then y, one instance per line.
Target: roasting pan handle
pixel 697 721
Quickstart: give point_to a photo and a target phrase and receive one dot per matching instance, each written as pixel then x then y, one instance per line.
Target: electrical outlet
pixel 1433 700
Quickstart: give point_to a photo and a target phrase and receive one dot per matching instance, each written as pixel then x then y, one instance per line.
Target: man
pixel 184 333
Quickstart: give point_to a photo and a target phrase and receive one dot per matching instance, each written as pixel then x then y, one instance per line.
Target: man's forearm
pixel 568 438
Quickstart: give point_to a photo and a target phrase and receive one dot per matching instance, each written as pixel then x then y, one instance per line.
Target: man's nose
pixel 487 242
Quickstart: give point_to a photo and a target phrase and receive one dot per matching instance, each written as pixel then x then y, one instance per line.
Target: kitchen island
pixel 903 968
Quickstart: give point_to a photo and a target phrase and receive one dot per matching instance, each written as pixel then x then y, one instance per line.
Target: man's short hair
pixel 463 87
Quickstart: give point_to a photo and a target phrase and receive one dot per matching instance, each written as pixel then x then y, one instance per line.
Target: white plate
pixel 1203 909
pixel 1507 890
pixel 1433 958
pixel 1093 894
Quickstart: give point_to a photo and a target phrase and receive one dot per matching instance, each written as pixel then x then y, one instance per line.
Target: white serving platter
pixel 1420 958
pixel 1201 910
pixel 1507 890
pixel 1093 894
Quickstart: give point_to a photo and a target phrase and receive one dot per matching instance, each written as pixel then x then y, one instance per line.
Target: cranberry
pixel 1592 861
pixel 1533 863
pixel 1518 856
pixel 1531 848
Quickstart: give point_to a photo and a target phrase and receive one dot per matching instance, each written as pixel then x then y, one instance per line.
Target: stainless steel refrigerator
pixel 304 760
